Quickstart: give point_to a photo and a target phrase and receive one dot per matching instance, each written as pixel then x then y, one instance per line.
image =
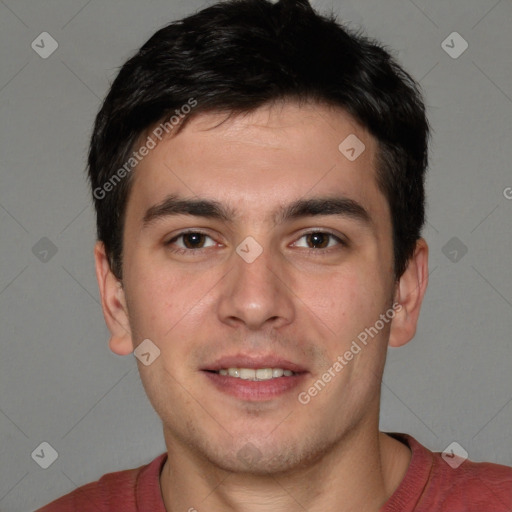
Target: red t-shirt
pixel 430 485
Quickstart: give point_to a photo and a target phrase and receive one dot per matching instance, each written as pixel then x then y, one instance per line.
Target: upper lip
pixel 254 362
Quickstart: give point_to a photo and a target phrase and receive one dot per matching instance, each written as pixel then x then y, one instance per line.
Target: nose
pixel 256 294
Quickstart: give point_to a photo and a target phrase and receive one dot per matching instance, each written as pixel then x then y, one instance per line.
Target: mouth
pixel 254 379
pixel 255 374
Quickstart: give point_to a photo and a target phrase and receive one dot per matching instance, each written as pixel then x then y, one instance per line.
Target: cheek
pixel 346 301
pixel 341 291
pixel 163 302
pixel 153 299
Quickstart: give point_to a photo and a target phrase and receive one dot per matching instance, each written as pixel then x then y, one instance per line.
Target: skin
pixel 304 303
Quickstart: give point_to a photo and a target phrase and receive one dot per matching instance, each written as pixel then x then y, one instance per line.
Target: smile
pixel 255 373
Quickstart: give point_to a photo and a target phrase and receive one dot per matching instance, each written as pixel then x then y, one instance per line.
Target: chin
pixel 263 458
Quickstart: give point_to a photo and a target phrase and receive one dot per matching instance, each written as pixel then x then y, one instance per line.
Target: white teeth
pixel 256 374
pixel 247 373
pixel 264 373
pixel 233 372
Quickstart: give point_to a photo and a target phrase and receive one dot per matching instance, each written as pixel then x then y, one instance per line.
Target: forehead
pixel 255 161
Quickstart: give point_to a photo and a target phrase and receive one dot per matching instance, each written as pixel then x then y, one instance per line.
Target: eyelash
pixel 182 251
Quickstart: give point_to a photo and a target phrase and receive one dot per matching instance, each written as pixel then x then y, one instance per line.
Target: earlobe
pixel 409 295
pixel 113 303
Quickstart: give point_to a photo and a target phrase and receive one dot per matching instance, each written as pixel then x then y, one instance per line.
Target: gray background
pixel 60 383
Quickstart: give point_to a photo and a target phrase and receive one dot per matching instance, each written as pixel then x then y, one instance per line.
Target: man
pixel 258 179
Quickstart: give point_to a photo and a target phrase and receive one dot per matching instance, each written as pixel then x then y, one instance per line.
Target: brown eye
pixel 190 240
pixel 316 240
pixel 193 240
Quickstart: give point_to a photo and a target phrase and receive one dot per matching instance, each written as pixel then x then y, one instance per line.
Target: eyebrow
pixel 211 209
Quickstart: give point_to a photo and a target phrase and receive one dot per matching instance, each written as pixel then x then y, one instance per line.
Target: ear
pixel 113 303
pixel 409 294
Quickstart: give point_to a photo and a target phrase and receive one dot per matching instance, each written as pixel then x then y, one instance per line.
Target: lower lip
pixel 255 390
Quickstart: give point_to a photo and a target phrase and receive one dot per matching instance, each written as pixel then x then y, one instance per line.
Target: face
pixel 256 243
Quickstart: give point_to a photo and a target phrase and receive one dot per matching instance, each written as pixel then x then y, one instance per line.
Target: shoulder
pixel 456 484
pixel 476 484
pixel 107 494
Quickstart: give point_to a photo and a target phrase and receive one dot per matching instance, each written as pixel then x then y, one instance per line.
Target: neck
pixel 359 473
